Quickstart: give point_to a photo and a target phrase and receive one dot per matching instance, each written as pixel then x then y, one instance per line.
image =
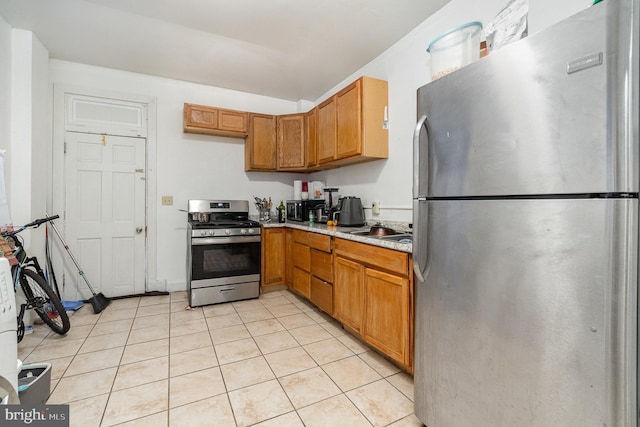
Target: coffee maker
pixel 329 207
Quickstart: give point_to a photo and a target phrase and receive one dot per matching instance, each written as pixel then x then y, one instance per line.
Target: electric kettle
pixel 351 212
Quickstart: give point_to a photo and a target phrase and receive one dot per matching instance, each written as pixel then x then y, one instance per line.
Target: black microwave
pixel 298 210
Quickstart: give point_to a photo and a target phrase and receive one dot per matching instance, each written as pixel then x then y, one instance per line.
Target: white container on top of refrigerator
pixel 525 246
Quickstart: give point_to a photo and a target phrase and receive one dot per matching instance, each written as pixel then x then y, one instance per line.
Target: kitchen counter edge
pixel 343 233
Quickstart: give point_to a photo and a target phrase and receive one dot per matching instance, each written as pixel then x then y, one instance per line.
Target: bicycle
pixel 39 295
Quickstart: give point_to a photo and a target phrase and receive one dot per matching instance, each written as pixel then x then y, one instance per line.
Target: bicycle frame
pixel 19 273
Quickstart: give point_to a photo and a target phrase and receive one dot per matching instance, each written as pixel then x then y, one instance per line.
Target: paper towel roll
pixel 297 189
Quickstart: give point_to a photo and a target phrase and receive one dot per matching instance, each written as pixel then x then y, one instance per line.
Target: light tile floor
pixel 272 361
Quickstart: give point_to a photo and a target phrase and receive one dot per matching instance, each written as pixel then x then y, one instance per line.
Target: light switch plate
pixel 167 200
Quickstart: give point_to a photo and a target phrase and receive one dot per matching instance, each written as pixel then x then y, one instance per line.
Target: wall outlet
pixel 167 200
pixel 375 208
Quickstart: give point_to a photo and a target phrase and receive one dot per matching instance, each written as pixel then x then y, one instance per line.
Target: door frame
pixel 56 192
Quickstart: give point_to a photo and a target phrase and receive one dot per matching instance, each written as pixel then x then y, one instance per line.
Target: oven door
pixel 223 260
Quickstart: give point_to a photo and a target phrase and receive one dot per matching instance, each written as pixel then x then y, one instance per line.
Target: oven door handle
pixel 199 241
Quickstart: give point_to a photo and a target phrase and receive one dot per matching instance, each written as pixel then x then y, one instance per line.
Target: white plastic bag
pixel 509 25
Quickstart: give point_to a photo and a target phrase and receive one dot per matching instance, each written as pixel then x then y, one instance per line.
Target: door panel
pixel 348 119
pixel 528 312
pixel 105 212
pixel 348 296
pixel 386 322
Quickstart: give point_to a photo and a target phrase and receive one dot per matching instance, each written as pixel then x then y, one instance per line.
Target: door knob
pixel 138 230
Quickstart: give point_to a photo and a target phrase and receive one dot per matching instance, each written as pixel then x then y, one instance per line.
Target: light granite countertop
pixel 346 233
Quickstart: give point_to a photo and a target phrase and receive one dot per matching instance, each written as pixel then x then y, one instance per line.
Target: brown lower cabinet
pixel 369 289
pixel 348 286
pixel 289 257
pixel 313 268
pixel 373 296
pixel 273 247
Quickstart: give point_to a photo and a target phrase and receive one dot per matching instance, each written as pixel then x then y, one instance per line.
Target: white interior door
pixel 105 213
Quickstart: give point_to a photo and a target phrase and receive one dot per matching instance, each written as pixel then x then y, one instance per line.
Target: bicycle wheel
pixel 44 301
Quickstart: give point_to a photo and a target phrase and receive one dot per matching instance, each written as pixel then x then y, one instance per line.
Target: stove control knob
pixel 227 232
pixel 243 231
pixel 211 233
pixel 252 231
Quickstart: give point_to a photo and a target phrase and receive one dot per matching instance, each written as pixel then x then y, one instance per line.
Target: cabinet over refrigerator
pixel 526 231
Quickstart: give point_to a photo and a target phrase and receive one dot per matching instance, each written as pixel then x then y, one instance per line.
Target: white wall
pixel 406 67
pixel 5 97
pixel 196 166
pixel 30 134
pixel 188 166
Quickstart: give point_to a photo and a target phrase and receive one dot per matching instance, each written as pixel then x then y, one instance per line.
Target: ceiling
pixel 288 49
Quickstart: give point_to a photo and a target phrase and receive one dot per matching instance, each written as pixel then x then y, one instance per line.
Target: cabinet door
pixel 273 256
pixel 302 282
pixel 311 137
pixel 348 292
pixel 260 148
pixel 386 318
pixel 291 141
pixel 289 256
pixel 327 131
pixel 200 116
pixel 235 121
pixel 349 121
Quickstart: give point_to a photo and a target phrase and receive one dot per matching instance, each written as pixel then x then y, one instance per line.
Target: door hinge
pixel 65 147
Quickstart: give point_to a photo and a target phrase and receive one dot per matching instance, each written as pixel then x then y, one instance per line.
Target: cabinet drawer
pixel 237 121
pixel 382 258
pixel 301 282
pixel 322 294
pixel 200 116
pixel 301 256
pixel 300 236
pixel 322 242
pixel 322 265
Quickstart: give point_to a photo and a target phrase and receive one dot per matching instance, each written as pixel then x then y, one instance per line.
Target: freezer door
pixel 527 315
pixel 554 113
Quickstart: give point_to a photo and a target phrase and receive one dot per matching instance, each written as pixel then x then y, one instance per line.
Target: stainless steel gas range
pixel 223 252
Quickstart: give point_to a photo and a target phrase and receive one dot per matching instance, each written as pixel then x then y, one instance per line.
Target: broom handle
pixel 71 255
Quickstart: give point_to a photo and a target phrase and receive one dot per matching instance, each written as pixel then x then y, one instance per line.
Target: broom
pixel 99 302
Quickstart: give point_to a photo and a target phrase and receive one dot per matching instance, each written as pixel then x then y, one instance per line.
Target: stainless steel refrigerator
pixel 526 231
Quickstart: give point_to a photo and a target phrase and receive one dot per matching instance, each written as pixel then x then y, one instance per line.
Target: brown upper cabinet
pixel 260 146
pixel 327 131
pixel 351 124
pixel 215 121
pixel 291 142
pixel 347 128
pixel 311 138
pixel 361 131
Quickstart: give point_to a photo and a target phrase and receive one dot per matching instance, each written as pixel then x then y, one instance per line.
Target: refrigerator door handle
pixel 420 255
pixel 422 123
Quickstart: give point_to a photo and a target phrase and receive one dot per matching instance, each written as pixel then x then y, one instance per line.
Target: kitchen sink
pixel 361 233
pixel 400 238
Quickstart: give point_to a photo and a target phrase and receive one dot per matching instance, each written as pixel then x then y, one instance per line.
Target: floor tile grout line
pixel 244 323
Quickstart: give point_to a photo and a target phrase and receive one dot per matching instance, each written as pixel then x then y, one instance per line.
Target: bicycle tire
pixel 45 301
